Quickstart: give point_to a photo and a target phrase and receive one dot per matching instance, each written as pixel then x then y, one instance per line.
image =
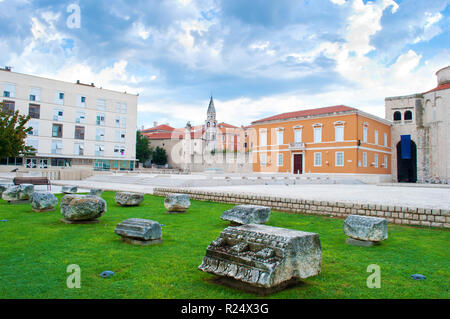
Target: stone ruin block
pixel 365 230
pixel 128 198
pixel 43 201
pixel 96 191
pixel 177 203
pixel 247 214
pixel 263 259
pixel 69 189
pixel 139 231
pixel 18 193
pixel 82 209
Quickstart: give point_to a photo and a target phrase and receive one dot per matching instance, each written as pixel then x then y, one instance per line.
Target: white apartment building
pixel 74 124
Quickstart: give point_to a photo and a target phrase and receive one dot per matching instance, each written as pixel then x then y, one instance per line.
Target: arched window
pixel 397 116
pixel 408 116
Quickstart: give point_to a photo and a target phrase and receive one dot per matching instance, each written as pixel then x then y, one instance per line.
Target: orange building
pixel 336 141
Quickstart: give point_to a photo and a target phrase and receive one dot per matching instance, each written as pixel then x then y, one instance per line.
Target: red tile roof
pixel 304 113
pixel 439 87
pixel 223 124
pixel 163 135
pixel 162 127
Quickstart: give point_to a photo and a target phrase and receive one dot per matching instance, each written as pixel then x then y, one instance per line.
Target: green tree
pixel 159 156
pixel 143 148
pixel 13 132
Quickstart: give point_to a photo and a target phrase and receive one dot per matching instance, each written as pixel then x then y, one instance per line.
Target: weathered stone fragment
pixel 82 208
pixel 177 203
pixel 18 193
pixel 43 201
pixel 366 228
pixel 4 187
pixel 139 231
pixel 128 199
pixel 96 192
pixel 263 257
pixel 247 214
pixel 69 189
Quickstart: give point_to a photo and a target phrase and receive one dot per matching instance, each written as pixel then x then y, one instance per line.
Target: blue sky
pixel 257 57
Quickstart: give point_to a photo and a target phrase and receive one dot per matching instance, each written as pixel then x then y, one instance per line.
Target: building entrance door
pixel 407 162
pixel 298 163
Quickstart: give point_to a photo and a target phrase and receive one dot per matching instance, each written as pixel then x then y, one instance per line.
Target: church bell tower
pixel 211 126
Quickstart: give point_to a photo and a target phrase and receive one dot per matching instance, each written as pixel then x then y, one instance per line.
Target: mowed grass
pixel 36 248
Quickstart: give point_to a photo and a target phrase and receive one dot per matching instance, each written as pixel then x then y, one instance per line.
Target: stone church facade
pixel 421 133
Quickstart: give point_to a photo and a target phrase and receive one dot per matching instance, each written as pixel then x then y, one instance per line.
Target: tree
pixel 143 149
pixel 13 132
pixel 159 156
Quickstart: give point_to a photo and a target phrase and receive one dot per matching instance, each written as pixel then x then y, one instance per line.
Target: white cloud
pixel 139 29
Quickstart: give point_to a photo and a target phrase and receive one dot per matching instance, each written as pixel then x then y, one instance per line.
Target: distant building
pixel 337 141
pixel 421 133
pixel 202 147
pixel 74 124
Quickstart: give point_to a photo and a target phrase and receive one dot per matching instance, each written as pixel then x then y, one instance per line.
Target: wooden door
pixel 298 163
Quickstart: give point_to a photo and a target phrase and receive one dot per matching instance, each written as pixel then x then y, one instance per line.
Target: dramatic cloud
pixel 257 58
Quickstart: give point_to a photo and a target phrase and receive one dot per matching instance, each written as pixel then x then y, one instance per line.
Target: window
pixel 117 121
pixel 397 116
pixel 223 138
pixel 375 160
pixel 122 136
pixel 317 159
pixel 408 116
pixel 297 135
pixel 385 139
pixel 262 138
pixel 365 159
pixel 79 149
pixel 339 133
pixel 31 163
pixel 124 122
pixel 9 90
pixel 34 110
pixel 81 101
pixel 57 130
pixel 365 134
pixel 79 132
pixel 280 160
pixel 117 136
pixel 99 150
pixel 80 117
pixel 118 107
pixel 376 137
pixel 123 108
pixel 59 98
pixel 119 150
pixel 8 106
pixel 385 161
pixel 262 159
pixel 280 137
pixel 100 134
pixel 56 147
pixel 101 104
pixel 35 128
pixel 35 94
pixel 317 134
pixel 339 158
pixel 58 115
pixel 100 119
pixel 33 143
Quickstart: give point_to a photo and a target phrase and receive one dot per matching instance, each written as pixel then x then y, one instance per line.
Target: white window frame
pixel 365 159
pixel 101 122
pixel 57 116
pixel 280 137
pixel 101 104
pixel 35 125
pixel 375 160
pixel 376 137
pixel 365 131
pixel 99 134
pixel 339 133
pixel 261 161
pixel 319 154
pixel 58 100
pixel 298 135
pixel 123 122
pixel 385 139
pixel 36 92
pixel 317 134
pixel 58 148
pixel 263 138
pixel 80 102
pixel 336 159
pixel 385 161
pixel 10 88
pixel 280 160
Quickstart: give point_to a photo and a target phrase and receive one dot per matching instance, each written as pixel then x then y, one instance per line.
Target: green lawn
pixel 36 248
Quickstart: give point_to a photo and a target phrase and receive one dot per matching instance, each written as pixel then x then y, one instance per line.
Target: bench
pixel 32 180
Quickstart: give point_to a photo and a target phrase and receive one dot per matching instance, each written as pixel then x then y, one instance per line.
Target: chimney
pixel 155 124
